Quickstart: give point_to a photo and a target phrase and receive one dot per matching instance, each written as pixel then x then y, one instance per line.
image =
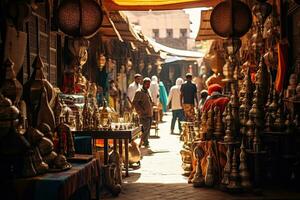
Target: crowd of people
pixel 143 95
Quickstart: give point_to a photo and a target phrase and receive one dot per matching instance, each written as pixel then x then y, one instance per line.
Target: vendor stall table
pixel 59 185
pixel 126 135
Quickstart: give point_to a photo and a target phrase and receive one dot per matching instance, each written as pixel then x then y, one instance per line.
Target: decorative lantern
pixel 79 18
pixel 231 19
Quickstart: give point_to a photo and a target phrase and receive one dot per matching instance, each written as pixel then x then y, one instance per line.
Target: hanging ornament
pixel 231 19
pixel 79 18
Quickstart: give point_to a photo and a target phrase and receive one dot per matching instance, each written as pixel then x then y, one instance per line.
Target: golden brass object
pixel 11 87
pixel 203 126
pixel 57 109
pixel 8 115
pixel 210 124
pixel 40 166
pixel 279 120
pixel 134 153
pixel 219 127
pixel 45 146
pixel 60 163
pixel 229 125
pixel 256 140
pixel 227 168
pixel 250 132
pixel 234 182
pixel 198 179
pixel 209 176
pixel 105 116
pixel 244 173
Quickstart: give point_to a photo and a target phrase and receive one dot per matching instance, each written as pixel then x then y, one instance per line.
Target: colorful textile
pixel 163 96
pixel 59 185
pixel 214 88
pixel 212 102
pixel 282 66
pixel 189 112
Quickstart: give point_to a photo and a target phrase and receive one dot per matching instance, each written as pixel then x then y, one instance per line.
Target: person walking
pixel 154 90
pixel 189 98
pixel 143 105
pixel 174 99
pixel 136 84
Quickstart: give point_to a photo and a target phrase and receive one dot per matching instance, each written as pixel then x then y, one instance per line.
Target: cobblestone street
pixel 160 175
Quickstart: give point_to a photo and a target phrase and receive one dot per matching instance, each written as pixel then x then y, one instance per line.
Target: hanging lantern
pixel 79 18
pixel 231 19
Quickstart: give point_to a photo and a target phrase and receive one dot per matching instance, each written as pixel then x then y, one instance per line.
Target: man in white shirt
pixel 174 98
pixel 136 84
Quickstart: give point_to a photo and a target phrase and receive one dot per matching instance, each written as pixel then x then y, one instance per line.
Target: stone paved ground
pixel 159 176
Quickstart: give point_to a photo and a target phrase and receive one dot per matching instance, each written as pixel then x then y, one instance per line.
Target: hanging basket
pixel 231 19
pixel 79 18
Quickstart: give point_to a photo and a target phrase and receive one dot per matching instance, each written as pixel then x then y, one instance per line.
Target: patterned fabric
pixel 189 112
pixel 60 185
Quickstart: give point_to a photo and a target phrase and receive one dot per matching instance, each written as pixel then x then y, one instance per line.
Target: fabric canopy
pixel 157 4
pixel 205 31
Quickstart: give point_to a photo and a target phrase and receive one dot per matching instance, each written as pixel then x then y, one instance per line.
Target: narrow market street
pixel 160 175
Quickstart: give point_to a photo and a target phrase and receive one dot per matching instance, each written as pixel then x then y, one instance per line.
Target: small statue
pixel 209 176
pixel 198 179
pixel 234 179
pixel 64 139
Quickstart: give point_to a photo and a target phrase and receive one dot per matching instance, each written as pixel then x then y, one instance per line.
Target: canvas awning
pixel 174 52
pixel 157 4
pixel 108 28
pixel 205 31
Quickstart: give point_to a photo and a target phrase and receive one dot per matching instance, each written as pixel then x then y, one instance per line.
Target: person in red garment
pixel 215 98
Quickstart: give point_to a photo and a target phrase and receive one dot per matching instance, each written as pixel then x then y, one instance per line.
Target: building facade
pixel 170 28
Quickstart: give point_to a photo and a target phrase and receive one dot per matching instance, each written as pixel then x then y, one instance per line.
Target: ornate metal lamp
pixel 79 19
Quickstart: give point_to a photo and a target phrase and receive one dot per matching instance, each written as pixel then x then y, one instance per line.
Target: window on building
pixel 155 33
pixel 169 32
pixel 183 32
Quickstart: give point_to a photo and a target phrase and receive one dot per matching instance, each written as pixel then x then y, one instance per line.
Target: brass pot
pixel 45 146
pixel 49 158
pixel 8 115
pixel 34 136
